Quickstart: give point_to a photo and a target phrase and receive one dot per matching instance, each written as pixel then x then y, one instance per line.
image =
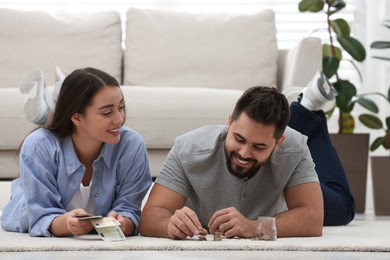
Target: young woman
pixel 82 161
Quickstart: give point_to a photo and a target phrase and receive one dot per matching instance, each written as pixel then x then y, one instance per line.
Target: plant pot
pixel 353 152
pixel 380 167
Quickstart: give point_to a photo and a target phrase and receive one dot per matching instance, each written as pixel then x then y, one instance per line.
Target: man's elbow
pixel 317 223
pixel 317 231
pixel 143 226
pixel 152 224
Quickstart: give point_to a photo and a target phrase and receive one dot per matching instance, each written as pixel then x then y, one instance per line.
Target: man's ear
pixel 76 119
pixel 229 120
pixel 279 142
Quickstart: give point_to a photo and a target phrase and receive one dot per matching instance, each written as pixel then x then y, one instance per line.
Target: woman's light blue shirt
pixel 50 173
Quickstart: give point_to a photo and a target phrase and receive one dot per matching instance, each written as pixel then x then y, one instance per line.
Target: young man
pixel 223 178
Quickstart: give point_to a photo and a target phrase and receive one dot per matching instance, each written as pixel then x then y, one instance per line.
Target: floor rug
pixel 358 236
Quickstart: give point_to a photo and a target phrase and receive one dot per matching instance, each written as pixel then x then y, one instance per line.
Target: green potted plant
pixel 339 31
pixel 374 122
pixel 380 164
pixel 352 148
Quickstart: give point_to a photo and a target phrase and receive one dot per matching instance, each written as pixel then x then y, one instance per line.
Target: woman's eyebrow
pixel 111 105
pixel 106 106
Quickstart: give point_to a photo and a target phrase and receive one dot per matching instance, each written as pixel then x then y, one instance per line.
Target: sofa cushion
pixel 219 50
pixel 160 114
pixel 43 40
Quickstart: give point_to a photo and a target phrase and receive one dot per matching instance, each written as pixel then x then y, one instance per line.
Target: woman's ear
pixel 76 119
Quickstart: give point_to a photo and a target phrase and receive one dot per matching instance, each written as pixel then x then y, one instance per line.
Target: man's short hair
pixel 264 105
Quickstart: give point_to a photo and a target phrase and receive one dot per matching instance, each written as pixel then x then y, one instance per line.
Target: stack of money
pixel 217 235
pixel 108 228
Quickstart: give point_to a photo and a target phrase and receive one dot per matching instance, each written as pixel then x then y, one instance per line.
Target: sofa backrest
pixel 217 50
pixel 34 39
pixel 162 48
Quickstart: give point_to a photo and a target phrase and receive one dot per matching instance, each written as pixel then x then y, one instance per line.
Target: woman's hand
pixel 67 224
pixel 75 225
pixel 126 226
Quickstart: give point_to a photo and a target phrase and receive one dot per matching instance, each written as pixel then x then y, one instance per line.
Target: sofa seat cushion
pixel 160 114
pixel 218 50
pixel 36 39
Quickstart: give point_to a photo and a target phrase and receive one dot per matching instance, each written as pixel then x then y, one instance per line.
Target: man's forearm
pixel 301 222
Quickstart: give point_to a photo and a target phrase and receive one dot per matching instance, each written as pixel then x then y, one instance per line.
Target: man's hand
pixel 232 223
pixel 184 222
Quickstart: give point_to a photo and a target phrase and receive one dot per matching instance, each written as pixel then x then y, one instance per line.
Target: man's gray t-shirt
pixel 196 167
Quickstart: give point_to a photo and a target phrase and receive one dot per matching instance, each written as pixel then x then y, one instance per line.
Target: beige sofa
pixel 178 71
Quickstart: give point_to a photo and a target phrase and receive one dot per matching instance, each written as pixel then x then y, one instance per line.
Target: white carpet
pixel 359 236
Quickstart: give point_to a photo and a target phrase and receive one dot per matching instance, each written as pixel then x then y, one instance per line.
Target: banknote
pixel 113 233
pixel 108 228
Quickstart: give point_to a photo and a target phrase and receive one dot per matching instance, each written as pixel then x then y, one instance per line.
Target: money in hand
pixel 85 217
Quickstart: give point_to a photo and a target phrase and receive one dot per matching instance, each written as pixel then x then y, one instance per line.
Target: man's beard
pixel 239 171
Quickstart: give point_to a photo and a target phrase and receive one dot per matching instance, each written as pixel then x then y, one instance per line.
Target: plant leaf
pixel 336 5
pixel 329 113
pixel 368 104
pixel 387 120
pixel 327 51
pixel 371 121
pixel 353 47
pixel 380 45
pixel 330 66
pixel 377 142
pixel 339 4
pixel 388 95
pixel 381 58
pixel 311 5
pixel 346 92
pixel 340 27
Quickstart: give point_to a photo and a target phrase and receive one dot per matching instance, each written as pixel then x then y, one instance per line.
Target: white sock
pixel 317 93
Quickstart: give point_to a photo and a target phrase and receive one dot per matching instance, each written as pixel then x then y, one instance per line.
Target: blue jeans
pixel 339 205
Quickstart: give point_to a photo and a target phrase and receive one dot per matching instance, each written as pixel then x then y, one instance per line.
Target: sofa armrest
pixel 297 66
pixel 5 194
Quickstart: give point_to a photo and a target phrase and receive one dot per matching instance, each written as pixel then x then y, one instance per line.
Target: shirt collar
pixel 72 162
pixel 106 153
